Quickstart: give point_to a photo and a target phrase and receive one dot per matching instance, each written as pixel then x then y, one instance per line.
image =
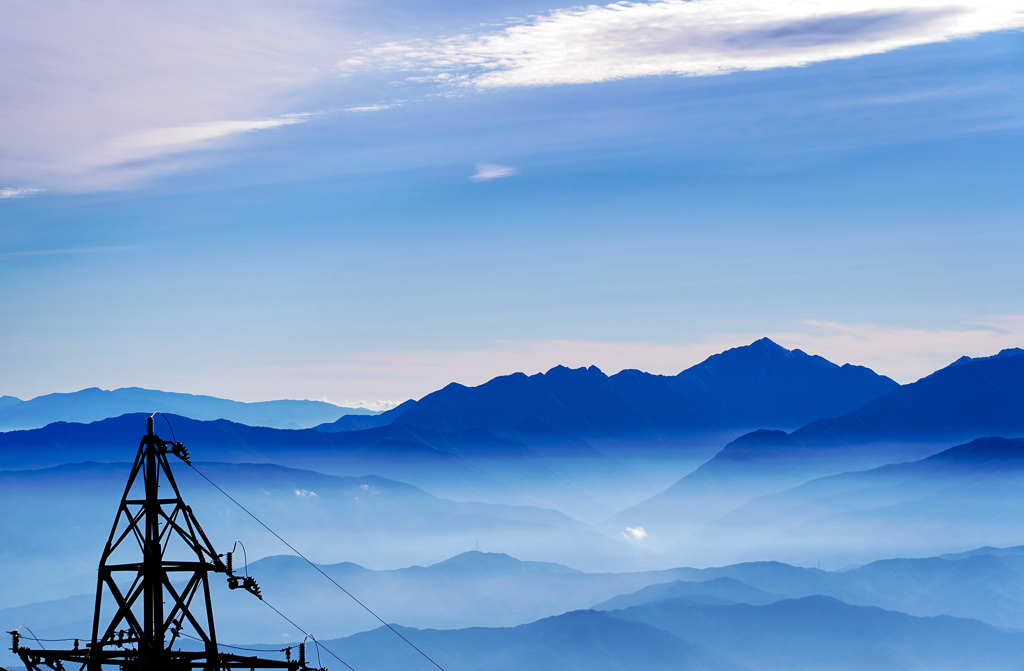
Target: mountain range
pixel 759 385
pixel 90 405
pixel 973 492
pixel 971 398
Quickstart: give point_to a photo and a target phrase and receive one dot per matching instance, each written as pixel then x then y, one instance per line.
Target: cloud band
pixel 692 38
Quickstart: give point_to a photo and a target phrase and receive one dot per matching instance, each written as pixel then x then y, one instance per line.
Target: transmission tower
pixel 150 609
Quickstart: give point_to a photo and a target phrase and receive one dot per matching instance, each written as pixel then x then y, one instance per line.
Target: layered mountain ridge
pixel 759 385
pixel 94 404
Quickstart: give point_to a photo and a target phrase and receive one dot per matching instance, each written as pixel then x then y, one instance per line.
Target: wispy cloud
pixel 104 93
pixel 193 133
pixel 73 250
pixel 485 172
pixel 372 108
pixel 692 38
pixel 377 406
pixel 18 193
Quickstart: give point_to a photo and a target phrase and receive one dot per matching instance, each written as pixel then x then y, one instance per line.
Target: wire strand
pixel 168 424
pixel 245 555
pixel 319 570
pixel 34 637
pixel 289 647
pixel 308 635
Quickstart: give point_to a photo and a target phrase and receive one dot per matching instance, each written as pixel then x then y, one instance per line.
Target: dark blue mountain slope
pixel 761 384
pixel 971 494
pixel 972 398
pixel 117 438
pixel 469 465
pixel 820 632
pixel 967 399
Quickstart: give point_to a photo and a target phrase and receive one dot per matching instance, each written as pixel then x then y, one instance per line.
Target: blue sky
pixel 262 201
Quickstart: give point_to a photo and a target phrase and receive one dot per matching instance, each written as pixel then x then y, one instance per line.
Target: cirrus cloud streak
pixel 692 38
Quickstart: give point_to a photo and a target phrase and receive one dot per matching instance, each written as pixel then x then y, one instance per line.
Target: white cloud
pixel 378 405
pixel 635 534
pixel 18 193
pixel 100 93
pixel 694 37
pixel 304 494
pixel 184 135
pixel 485 172
pixel 372 108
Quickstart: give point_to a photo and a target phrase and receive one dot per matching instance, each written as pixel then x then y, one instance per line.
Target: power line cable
pixel 245 555
pixel 319 570
pixel 308 635
pixel 290 647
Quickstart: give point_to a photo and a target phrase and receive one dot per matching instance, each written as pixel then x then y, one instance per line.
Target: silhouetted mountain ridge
pixel 761 384
pixel 972 398
pixel 965 400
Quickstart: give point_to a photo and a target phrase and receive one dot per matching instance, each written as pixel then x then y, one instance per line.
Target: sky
pixel 361 202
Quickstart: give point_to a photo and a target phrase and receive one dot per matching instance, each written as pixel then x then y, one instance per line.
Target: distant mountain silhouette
pixel 754 464
pixel 819 632
pixel 476 588
pixel 578 641
pixel 717 591
pixel 970 398
pixel 90 405
pixel 388 450
pixel 467 465
pixel 761 384
pixel 966 495
pixel 63 514
pixel 495 590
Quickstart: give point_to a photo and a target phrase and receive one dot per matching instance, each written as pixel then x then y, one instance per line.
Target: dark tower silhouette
pixel 150 610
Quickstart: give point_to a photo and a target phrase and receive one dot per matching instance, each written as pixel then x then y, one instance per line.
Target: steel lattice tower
pixel 150 610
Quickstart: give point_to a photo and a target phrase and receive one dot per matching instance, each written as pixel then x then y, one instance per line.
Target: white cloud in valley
pixel 635 534
pixel 691 38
